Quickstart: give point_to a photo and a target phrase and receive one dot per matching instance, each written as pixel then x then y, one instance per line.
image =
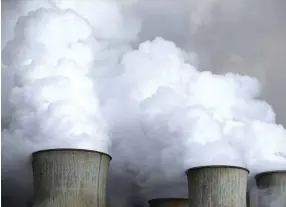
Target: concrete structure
pixel 271 189
pixel 70 178
pixel 217 186
pixel 169 202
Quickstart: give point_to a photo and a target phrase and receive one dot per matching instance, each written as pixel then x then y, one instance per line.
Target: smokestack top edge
pixel 216 166
pixel 168 199
pixel 259 175
pixel 69 149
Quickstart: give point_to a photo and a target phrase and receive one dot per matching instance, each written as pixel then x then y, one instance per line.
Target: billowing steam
pixel 50 66
pixel 77 82
pixel 179 117
pixel 52 100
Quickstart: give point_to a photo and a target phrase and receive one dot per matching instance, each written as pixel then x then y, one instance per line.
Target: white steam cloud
pixel 51 88
pixel 75 81
pixel 179 117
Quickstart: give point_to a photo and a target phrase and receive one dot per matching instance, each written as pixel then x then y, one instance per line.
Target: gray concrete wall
pixel 217 186
pixel 271 189
pixel 67 178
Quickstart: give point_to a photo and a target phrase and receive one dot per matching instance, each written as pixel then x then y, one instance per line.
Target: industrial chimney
pixel 217 186
pixel 271 188
pixel 70 178
pixel 169 202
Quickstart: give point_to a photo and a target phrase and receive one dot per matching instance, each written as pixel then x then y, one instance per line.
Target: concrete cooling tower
pixel 169 202
pixel 70 178
pixel 217 186
pixel 271 189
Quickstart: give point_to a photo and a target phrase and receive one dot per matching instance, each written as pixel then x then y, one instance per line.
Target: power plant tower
pixel 70 178
pixel 271 188
pixel 169 202
pixel 217 186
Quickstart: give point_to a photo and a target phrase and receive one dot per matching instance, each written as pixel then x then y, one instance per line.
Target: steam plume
pixel 183 112
pixel 52 99
pixel 74 69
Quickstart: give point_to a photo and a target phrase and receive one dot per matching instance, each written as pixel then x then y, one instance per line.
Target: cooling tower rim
pixel 216 166
pixel 70 149
pixel 168 199
pixel 259 175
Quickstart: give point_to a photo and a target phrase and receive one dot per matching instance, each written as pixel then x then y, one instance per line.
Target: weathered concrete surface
pixel 70 178
pixel 217 186
pixel 271 189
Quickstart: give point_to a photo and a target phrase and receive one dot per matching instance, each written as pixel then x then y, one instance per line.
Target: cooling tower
pixel 169 202
pixel 70 178
pixel 217 186
pixel 271 189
